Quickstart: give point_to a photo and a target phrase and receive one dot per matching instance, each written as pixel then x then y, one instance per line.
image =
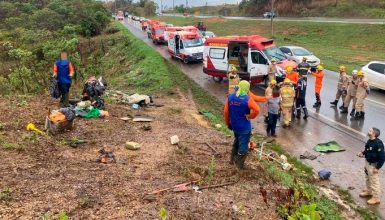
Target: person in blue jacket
pixel 64 72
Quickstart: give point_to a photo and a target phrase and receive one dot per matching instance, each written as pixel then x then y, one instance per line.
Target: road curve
pixel 324 125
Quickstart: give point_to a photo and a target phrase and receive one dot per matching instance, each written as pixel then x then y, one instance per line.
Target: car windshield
pixel 301 52
pixel 159 31
pixel 274 52
pixel 193 42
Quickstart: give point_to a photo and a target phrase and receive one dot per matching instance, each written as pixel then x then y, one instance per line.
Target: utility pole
pixel 173 8
pixel 161 6
pixel 115 7
pixel 271 18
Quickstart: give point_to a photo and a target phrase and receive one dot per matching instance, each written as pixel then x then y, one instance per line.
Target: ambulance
pixel 157 33
pixel 151 23
pixel 251 55
pixel 186 46
pixel 173 29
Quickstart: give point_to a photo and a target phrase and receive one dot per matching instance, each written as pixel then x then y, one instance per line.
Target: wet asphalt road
pixel 325 124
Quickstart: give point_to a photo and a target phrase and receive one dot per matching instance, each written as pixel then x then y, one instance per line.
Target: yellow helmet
pixel 287 81
pixel 342 68
pixel 233 69
pixel 320 67
pixel 360 73
pixel 289 69
pixel 273 60
pixel 273 82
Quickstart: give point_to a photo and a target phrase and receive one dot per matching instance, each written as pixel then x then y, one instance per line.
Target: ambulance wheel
pixel 185 61
pixel 217 79
pixel 266 82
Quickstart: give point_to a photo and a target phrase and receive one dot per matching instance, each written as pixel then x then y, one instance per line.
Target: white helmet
pixel 354 72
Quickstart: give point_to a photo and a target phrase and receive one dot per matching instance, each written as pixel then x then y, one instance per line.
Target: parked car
pixel 375 73
pixel 296 54
pixel 269 14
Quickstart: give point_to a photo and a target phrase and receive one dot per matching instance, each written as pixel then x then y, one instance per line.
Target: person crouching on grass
pixel 239 109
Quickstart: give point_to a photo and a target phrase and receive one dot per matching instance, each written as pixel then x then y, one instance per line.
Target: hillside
pixel 300 8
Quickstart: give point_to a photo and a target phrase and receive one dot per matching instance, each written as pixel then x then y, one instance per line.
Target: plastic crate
pixel 58 127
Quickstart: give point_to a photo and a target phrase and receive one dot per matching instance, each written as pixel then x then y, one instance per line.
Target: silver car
pixel 296 54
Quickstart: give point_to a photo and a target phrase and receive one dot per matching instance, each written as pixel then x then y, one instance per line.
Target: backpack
pixel 54 89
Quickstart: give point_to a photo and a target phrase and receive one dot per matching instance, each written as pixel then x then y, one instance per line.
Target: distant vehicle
pixel 207 34
pixel 186 46
pixel 151 24
pixel 250 54
pixel 157 33
pixel 375 73
pixel 126 14
pixel 269 14
pixel 178 28
pixel 120 15
pixel 185 14
pixel 296 54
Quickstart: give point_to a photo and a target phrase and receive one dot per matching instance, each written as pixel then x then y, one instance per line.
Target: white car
pixel 375 73
pixel 296 54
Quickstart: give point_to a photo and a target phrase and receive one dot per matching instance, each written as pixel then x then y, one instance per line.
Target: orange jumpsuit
pixel 257 98
pixel 319 75
pixel 294 77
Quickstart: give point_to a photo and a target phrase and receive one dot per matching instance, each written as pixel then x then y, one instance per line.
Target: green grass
pixel 352 45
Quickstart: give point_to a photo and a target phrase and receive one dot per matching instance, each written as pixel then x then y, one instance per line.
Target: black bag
pixel 54 89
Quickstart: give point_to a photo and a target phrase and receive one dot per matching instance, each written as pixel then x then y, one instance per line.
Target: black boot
pixel 357 115
pixel 342 106
pixel 240 161
pixel 352 112
pixel 362 116
pixel 266 119
pixel 344 110
pixel 334 103
pixel 298 113
pixel 317 105
pixel 233 157
pixel 306 114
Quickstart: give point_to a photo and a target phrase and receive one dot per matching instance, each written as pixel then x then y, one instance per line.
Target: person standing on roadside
pixel 239 109
pixel 272 70
pixel 362 93
pixel 300 102
pixel 273 107
pixel 341 87
pixel 303 67
pixel 351 94
pixel 319 75
pixel 64 72
pixel 375 158
pixel 287 97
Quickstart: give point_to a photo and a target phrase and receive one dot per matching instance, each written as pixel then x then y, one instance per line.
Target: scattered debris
pixel 74 142
pixel 147 127
pixel 218 126
pixel 133 145
pixel 212 148
pixel 308 155
pixel 32 127
pixel 174 140
pixel 283 158
pixel 107 155
pixel 135 106
pixel 351 188
pixel 172 188
pixel 331 146
pixel 125 119
pixel 324 174
pixel 142 119
pixel 287 166
pixel 149 197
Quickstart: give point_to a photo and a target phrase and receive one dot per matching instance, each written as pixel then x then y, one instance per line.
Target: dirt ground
pixel 42 176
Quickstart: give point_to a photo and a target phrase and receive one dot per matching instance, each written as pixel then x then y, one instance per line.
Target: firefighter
pixel 268 93
pixel 300 102
pixel 239 109
pixel 233 79
pixel 292 75
pixel 303 67
pixel 287 96
pixel 319 75
pixel 341 87
pixel 351 94
pixel 272 69
pixel 63 71
pixel 362 93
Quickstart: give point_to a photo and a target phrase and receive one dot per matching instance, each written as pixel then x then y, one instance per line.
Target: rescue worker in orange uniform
pixel 292 75
pixel 341 87
pixel 362 93
pixel 287 101
pixel 319 75
pixel 239 109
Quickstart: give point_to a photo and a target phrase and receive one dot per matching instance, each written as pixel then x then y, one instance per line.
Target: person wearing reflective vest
pixel 63 71
pixel 341 87
pixel 351 94
pixel 303 67
pixel 361 94
pixel 287 101
pixel 300 102
pixel 239 109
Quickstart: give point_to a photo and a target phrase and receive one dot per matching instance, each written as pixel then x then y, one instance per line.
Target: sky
pixel 196 2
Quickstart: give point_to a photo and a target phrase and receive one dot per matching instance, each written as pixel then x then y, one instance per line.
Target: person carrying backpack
pixel 64 72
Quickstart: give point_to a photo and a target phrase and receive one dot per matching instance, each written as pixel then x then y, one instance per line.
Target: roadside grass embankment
pixel 352 45
pixel 300 179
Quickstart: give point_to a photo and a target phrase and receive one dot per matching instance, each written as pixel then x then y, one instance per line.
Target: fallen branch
pixel 217 185
pixel 212 148
pixel 173 187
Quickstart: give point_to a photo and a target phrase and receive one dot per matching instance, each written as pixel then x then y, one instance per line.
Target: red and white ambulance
pixel 157 33
pixel 186 46
pixel 176 28
pixel 250 54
